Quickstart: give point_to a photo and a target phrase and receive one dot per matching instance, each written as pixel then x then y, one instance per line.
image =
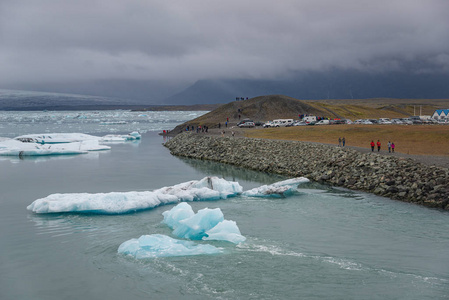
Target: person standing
pixel 339 142
pixel 389 147
pixel 372 146
pixel 378 145
pixel 343 141
pixel 392 147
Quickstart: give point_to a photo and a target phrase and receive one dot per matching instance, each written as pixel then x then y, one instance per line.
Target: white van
pixel 309 119
pixel 323 122
pixel 283 122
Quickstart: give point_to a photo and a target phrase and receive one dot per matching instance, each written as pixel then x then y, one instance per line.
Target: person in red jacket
pixel 372 146
pixel 378 145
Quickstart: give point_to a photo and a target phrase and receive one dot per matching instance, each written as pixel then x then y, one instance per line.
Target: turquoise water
pixel 324 243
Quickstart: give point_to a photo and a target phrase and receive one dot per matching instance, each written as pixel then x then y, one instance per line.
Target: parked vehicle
pixel 300 123
pixel 308 119
pixel 247 125
pixel 283 122
pixel 396 121
pixel 268 124
pixel 385 121
pixel 406 121
pixel 323 122
pixel 244 121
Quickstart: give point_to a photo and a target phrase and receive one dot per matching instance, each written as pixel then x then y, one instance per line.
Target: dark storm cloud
pixel 51 40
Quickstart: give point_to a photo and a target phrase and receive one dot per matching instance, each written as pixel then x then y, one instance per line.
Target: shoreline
pixel 399 176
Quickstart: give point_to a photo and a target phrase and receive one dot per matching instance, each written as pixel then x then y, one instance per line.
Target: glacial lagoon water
pixel 321 243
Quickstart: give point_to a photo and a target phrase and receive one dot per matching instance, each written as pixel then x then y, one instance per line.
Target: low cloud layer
pixel 54 40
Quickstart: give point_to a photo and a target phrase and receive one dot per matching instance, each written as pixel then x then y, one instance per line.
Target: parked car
pixel 396 121
pixel 300 123
pixel 247 125
pixel 244 121
pixel 406 121
pixel 268 124
pixel 322 122
pixel 385 121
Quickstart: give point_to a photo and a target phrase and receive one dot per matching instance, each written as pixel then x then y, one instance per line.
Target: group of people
pixel 341 141
pixel 390 145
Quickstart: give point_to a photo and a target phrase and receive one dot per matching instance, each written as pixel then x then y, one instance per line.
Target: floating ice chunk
pixel 102 203
pixel 158 245
pixel 208 188
pixel 278 189
pixel 136 135
pixel 56 138
pixel 195 227
pixel 16 148
pixel 117 203
pixel 178 213
pixel 226 230
pixel 207 224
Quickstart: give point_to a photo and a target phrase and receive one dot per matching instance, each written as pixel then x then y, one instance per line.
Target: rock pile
pixel 396 178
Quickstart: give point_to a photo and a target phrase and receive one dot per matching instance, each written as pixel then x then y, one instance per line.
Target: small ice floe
pixel 121 138
pixel 55 138
pixel 158 245
pixel 277 189
pixel 209 188
pixel 206 224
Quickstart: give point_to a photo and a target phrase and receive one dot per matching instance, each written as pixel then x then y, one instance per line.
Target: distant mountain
pixel 319 85
pixel 26 100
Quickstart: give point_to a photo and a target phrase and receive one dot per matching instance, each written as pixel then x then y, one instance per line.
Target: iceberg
pixel 278 189
pixel 14 147
pixel 158 245
pixel 55 138
pixel 195 227
pixel 206 224
pixel 208 188
pixel 226 230
pixel 176 214
pixel 60 138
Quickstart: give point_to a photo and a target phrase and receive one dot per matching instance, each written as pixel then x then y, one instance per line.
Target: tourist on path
pixel 343 141
pixel 339 142
pixel 389 147
pixel 392 147
pixel 378 145
pixel 372 146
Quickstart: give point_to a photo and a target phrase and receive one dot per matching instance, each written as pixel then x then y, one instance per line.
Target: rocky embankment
pixel 397 178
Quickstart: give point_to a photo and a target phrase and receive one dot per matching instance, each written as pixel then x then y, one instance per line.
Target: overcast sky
pixel 66 40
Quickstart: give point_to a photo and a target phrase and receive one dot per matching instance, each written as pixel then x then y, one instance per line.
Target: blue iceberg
pixel 158 245
pixel 207 224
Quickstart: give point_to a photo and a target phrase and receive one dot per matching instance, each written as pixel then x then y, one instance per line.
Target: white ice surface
pixel 277 189
pixel 158 245
pixel 209 188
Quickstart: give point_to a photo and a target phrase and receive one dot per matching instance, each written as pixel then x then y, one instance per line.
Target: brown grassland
pixel 409 139
pixel 431 140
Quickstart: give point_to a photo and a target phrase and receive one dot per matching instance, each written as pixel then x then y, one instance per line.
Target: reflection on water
pixel 230 172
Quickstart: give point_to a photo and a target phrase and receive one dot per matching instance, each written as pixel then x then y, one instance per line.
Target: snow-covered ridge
pixel 208 188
